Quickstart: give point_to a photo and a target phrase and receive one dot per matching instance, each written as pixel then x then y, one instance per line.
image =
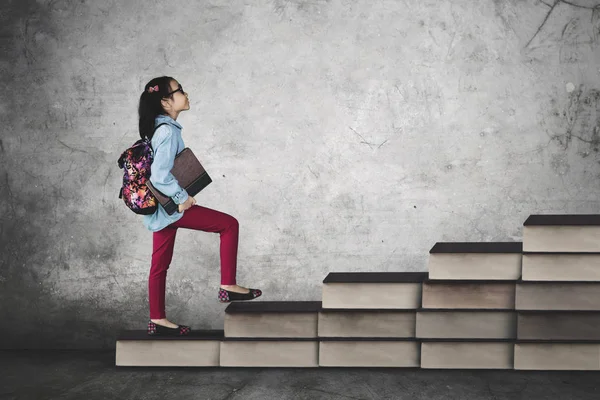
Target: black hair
pixel 150 106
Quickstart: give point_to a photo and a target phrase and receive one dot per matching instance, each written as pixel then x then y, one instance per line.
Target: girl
pixel 161 102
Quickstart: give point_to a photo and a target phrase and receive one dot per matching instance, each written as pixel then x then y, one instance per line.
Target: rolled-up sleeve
pixel 161 177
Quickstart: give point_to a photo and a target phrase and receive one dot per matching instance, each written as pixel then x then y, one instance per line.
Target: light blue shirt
pixel 166 143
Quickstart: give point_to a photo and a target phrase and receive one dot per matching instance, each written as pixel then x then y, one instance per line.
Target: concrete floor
pixel 92 375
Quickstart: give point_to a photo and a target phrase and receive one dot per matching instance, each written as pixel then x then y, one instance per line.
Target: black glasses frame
pixel 180 89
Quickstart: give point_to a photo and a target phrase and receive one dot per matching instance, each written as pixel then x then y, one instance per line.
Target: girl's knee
pixel 231 223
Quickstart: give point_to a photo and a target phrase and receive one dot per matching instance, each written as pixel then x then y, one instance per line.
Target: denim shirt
pixel 166 143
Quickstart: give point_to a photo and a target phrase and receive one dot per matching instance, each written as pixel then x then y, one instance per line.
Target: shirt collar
pixel 165 118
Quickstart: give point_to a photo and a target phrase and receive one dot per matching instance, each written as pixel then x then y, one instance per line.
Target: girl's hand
pixel 186 204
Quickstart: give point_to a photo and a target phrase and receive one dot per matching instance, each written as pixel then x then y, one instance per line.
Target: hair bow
pixel 153 89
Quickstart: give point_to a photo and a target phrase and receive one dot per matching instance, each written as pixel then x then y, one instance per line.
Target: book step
pixel 366 323
pixel 201 348
pixel 508 354
pixel 561 267
pixel 211 349
pixel 562 233
pixel 308 319
pixel 559 325
pixel 475 261
pixel 467 354
pixel 382 290
pixel 557 355
pixel 297 319
pixel 369 352
pixel 269 352
pixel 468 294
pixel 557 295
pixel 466 323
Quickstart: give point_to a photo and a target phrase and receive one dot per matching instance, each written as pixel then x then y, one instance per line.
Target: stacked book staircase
pixel 533 305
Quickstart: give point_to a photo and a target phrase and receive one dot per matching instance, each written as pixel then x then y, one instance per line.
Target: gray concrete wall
pixel 343 135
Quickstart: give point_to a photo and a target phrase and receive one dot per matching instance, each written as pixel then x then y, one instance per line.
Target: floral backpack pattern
pixel 136 162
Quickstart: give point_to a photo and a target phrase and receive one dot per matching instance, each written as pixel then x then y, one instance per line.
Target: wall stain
pixel 282 7
pixel 582 115
pixel 572 26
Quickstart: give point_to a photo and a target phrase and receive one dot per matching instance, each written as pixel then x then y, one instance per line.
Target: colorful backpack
pixel 136 162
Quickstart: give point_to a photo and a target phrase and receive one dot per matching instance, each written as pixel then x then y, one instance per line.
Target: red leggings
pixel 198 218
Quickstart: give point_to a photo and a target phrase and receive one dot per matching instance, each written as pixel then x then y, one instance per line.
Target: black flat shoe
pixel 225 296
pixel 159 330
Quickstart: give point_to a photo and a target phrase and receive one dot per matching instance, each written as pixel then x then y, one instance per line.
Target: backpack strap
pixel 159 125
pixel 156 127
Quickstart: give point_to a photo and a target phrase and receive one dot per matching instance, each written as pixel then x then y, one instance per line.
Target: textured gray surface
pixel 92 375
pixel 343 135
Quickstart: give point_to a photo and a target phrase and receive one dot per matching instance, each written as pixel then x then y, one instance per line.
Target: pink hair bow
pixel 153 89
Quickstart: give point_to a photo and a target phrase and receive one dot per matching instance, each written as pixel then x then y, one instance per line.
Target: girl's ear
pixel 165 103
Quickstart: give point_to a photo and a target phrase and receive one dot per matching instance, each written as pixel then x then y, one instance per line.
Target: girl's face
pixel 179 102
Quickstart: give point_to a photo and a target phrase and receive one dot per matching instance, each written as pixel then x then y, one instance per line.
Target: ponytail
pixel 150 106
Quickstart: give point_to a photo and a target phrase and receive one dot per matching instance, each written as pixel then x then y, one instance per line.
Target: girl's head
pixel 163 95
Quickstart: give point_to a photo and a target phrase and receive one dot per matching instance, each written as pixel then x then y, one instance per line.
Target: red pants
pixel 198 218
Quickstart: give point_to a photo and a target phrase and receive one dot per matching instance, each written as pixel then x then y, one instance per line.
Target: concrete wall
pixel 343 135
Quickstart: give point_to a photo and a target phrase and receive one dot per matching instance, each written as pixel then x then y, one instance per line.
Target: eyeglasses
pixel 180 89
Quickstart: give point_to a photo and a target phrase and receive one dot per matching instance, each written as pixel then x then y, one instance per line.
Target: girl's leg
pixel 209 220
pixel 163 242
